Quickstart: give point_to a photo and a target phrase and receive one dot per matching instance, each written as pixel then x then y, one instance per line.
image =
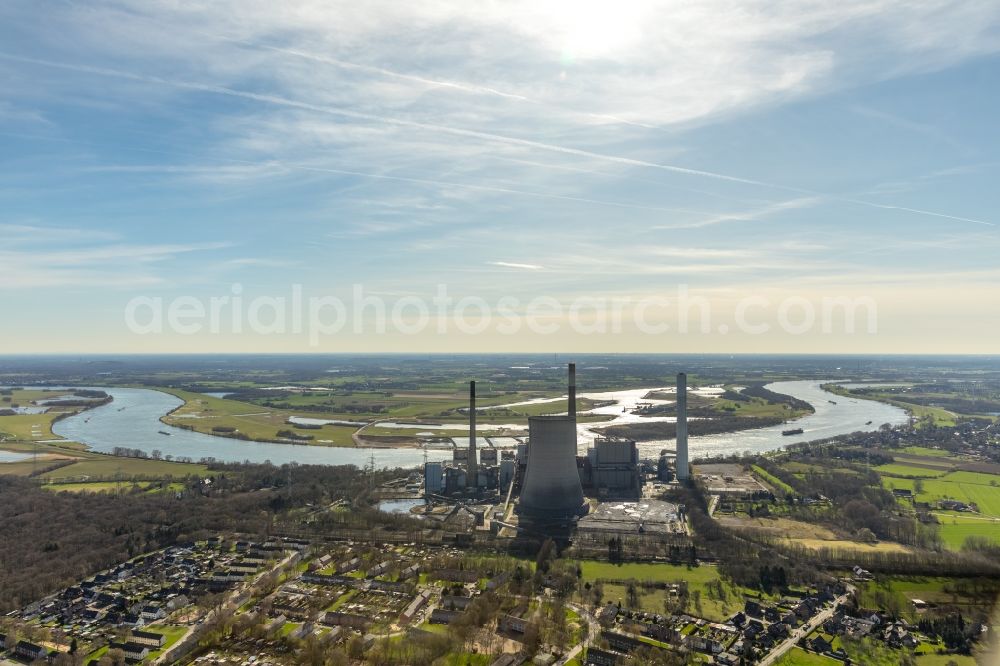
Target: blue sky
pixel 802 150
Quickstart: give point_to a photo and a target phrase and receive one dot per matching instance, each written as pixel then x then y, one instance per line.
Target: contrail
pixel 485 136
pixel 357 115
pixel 471 88
pixel 922 212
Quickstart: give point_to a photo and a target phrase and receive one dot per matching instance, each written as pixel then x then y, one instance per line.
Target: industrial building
pixel 547 476
pixel 646 516
pixel 612 468
pixel 472 471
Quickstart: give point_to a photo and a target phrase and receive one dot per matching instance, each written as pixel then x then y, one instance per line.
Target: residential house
pixel 596 657
pixel 149 638
pixel 30 652
pixel 441 616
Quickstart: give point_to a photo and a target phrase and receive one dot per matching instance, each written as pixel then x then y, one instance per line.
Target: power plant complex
pixel 545 479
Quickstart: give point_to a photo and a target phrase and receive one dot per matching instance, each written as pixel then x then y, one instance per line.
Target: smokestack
pixel 472 479
pixel 572 391
pixel 683 469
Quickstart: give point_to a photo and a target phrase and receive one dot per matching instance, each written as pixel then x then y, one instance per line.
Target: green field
pixel 110 467
pixel 925 451
pixel 202 413
pixel 895 469
pixel 110 486
pixel 28 427
pixel 464 659
pixel 172 634
pixel 697 578
pixel 969 487
pixel 31 427
pixel 657 573
pixel 772 480
pixel 945 660
pixel 799 657
pixel 955 528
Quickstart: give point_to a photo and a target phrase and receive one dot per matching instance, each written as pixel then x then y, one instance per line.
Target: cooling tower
pixel 473 473
pixel 683 469
pixel 551 486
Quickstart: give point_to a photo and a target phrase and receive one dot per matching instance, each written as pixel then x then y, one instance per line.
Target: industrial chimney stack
pixel 683 468
pixel 572 391
pixel 472 475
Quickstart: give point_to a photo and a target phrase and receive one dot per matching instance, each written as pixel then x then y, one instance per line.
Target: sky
pixel 575 175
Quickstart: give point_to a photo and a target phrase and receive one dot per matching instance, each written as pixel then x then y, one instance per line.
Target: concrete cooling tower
pixel 552 487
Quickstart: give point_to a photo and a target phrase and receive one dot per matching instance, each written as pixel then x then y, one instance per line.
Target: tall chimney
pixel 683 469
pixel 572 391
pixel 472 480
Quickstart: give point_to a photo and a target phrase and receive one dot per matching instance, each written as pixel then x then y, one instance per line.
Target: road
pixel 804 630
pixel 592 630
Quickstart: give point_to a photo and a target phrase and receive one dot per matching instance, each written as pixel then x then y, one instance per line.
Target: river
pixel 834 415
pixel 132 421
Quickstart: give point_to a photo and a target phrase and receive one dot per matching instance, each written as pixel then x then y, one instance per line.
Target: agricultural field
pixel 925 451
pixel 955 528
pixel 978 488
pixel 969 487
pixel 896 469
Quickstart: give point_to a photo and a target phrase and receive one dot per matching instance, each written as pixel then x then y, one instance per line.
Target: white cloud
pixel 117 265
pixel 35 234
